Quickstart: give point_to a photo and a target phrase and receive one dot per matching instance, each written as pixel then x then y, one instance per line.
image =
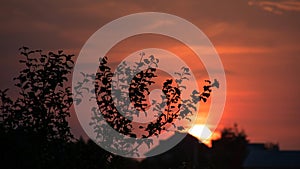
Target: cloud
pixel 277 7
pixel 243 50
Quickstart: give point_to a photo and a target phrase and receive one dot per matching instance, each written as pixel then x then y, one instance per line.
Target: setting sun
pixel 201 132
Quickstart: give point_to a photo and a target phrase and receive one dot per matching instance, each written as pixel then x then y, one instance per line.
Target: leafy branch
pixel 111 96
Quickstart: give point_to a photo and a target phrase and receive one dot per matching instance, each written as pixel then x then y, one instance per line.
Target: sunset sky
pixel 258 42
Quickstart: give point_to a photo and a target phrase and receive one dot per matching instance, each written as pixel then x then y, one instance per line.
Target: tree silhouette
pixel 231 149
pixel 34 131
pixel 111 94
pixel 34 126
pixel 44 101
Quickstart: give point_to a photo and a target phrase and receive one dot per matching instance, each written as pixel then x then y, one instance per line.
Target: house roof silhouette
pixel 187 141
pixel 260 157
pixel 188 151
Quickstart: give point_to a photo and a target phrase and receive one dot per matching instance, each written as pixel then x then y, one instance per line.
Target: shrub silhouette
pixel 230 150
pixel 34 131
pixel 111 94
pixel 34 127
pixel 44 101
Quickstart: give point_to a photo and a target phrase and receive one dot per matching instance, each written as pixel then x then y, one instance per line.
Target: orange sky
pixel 257 40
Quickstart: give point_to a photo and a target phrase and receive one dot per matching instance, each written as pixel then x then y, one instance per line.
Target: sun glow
pixel 201 132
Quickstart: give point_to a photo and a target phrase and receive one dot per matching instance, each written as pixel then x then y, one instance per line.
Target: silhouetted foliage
pixel 231 149
pixel 44 102
pixel 34 126
pixel 34 131
pixel 112 90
